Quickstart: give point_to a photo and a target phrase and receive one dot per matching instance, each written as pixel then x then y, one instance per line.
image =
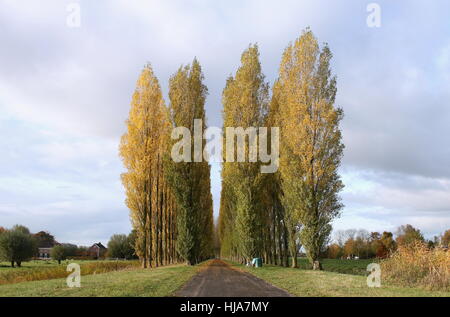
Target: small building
pixel 44 250
pixel 97 250
pixel 44 253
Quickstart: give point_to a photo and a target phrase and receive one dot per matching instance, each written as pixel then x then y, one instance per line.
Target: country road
pixel 218 279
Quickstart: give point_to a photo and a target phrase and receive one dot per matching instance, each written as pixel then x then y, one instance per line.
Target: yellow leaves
pixel 302 106
pixel 147 123
pixel 245 102
pixel 311 148
pixel 190 181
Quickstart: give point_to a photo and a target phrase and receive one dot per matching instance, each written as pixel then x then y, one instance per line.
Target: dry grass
pixel 18 275
pixel 325 284
pixel 416 265
pixel 161 281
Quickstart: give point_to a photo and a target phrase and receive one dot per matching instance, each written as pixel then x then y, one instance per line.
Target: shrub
pixel 58 253
pixel 17 245
pixel 119 246
pixel 416 265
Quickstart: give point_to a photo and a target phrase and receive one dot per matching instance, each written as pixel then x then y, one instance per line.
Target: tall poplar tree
pixel 311 147
pixel 137 149
pixel 245 99
pixel 143 149
pixel 190 180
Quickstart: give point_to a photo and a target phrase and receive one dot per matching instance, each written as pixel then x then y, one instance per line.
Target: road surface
pixel 218 279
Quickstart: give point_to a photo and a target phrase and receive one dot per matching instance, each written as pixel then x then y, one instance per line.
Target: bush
pixel 120 246
pixel 61 252
pixel 17 245
pixel 416 265
pixel 58 253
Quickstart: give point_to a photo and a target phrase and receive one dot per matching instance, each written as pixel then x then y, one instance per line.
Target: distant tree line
pixel 353 243
pixel 18 245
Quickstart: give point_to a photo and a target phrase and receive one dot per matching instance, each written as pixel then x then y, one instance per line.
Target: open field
pixel 34 264
pixel 162 281
pixel 356 267
pixel 45 270
pixel 302 283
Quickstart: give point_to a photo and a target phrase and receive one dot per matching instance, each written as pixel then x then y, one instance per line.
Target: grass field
pixel 45 270
pixel 356 267
pixel 305 283
pixel 37 264
pixel 161 281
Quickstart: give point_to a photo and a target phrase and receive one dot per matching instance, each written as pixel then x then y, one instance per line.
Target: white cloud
pixel 384 200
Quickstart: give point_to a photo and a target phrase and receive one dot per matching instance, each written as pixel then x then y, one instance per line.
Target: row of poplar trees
pixel 170 203
pixel 273 215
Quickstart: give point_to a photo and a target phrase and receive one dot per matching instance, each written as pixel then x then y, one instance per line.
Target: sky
pixel 65 92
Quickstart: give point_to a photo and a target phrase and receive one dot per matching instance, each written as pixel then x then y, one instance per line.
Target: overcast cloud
pixel 65 94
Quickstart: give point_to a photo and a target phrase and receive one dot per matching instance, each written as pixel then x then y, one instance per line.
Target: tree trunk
pixel 19 264
pixel 285 247
pixel 12 263
pixel 317 266
pixel 149 243
pixel 292 246
pixel 280 242
pixel 156 219
pixel 294 260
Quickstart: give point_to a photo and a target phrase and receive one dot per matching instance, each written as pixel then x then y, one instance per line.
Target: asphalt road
pixel 218 279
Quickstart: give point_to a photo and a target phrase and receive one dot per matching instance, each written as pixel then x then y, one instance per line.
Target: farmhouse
pixel 97 250
pixel 44 253
pixel 45 249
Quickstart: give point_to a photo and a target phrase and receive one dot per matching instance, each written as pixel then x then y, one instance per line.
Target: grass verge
pixel 308 283
pixel 356 267
pixel 162 281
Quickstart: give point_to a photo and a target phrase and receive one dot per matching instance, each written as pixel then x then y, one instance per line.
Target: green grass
pixel 42 264
pixel 356 267
pixel 306 283
pixel 42 270
pixel 6 266
pixel 161 281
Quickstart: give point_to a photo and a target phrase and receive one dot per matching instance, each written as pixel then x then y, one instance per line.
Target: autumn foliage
pixel 415 264
pixel 261 215
pixel 271 216
pixel 162 217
